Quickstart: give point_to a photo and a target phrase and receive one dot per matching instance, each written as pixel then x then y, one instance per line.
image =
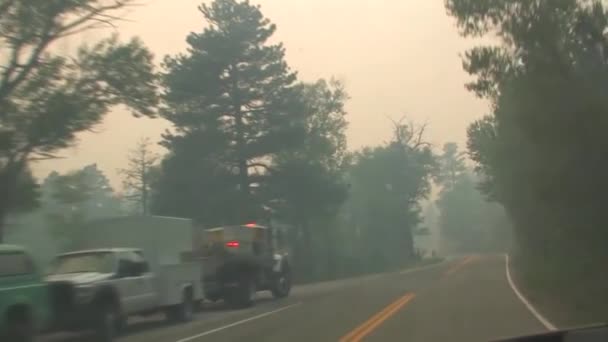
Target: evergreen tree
pixel 235 86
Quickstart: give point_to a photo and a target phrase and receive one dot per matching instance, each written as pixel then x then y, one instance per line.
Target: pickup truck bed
pixel 170 276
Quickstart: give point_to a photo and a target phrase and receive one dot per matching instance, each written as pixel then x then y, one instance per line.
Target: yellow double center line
pixel 366 328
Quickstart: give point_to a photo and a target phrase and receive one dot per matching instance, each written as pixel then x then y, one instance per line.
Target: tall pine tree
pixel 234 85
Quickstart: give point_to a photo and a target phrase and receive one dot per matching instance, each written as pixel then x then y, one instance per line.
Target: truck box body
pixel 164 240
pixel 166 243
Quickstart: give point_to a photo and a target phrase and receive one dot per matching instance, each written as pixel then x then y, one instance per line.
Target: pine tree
pixel 234 85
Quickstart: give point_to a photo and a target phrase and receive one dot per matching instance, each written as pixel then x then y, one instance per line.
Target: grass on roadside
pixel 567 291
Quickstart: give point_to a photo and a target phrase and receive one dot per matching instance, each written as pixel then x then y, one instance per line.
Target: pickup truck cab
pixel 98 289
pixel 24 297
pixel 240 260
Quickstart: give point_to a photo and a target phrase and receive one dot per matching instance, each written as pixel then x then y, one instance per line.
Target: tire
pixel 243 296
pixel 107 323
pixel 281 285
pixel 183 312
pixel 20 325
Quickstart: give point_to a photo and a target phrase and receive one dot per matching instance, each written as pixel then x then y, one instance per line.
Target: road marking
pixel 213 331
pixel 460 265
pixel 376 320
pixel 422 268
pixel 548 325
pixel 382 319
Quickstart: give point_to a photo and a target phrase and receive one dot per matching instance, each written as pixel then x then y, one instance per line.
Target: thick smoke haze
pixel 397 58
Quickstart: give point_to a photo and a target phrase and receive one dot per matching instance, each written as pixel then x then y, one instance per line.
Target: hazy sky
pixel 396 57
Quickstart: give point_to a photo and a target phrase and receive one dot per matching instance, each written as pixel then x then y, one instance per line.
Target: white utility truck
pixel 126 266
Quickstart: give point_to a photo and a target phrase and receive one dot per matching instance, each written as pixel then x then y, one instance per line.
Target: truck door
pixel 143 295
pixel 124 283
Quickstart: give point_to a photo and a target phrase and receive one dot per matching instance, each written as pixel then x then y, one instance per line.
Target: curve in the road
pixel 544 321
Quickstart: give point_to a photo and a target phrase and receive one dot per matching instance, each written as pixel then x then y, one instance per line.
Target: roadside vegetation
pixel 249 139
pixel 467 221
pixel 541 150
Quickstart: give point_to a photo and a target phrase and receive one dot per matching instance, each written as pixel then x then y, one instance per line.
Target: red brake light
pixel 251 225
pixel 232 244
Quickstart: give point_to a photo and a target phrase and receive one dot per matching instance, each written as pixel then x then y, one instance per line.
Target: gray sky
pixel 396 57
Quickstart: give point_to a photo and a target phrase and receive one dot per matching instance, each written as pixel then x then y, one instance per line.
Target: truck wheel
pixel 243 296
pixel 281 285
pixel 20 325
pixel 183 312
pixel 107 322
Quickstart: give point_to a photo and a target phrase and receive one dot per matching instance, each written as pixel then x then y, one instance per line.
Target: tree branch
pixel 262 165
pixel 85 28
pixel 8 86
pixel 13 62
pixel 5 7
pixel 44 156
pixel 94 15
pixel 419 135
pixel 52 32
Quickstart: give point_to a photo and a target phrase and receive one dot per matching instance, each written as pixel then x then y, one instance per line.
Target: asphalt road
pixel 464 299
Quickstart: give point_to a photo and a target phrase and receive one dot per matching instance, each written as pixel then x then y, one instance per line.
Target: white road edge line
pixel 548 325
pixel 212 331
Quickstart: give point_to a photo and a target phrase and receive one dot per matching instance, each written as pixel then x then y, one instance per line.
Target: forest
pixel 249 137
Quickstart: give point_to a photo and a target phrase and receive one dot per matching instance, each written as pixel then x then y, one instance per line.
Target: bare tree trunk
pixel 144 199
pixel 242 161
pixel 144 189
pixel 243 181
pixel 7 182
pixel 410 252
pixel 330 251
pixel 306 251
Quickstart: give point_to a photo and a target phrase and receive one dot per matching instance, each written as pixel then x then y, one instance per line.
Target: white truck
pixel 126 266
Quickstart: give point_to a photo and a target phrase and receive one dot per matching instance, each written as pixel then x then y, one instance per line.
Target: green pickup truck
pixel 24 296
